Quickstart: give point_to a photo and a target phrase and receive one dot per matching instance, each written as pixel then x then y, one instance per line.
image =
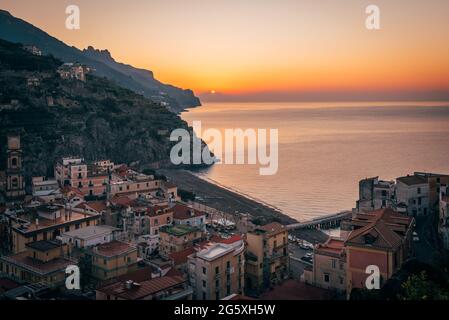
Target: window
pixel 326 277
pixel 67 228
pixel 204 295
pixel 419 190
pixel 217 270
pixel 334 263
pixel 204 284
pixel 228 264
pixel 105 261
pixel 341 280
pixel 204 270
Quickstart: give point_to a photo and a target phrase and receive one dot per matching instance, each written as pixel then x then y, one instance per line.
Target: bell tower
pixel 15 182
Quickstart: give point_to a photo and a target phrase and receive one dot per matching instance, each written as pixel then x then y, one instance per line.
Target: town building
pixel 129 183
pixel 46 222
pixel 216 270
pixel 42 262
pixel 375 194
pixel 381 238
pixel 33 50
pixel 15 181
pixel 178 238
pixel 112 259
pixel 90 236
pixel 329 265
pixel 71 70
pixel 88 178
pixel 435 182
pixel 267 259
pixel 183 214
pixel 412 193
pixel 168 287
pixel 45 189
pixel 443 221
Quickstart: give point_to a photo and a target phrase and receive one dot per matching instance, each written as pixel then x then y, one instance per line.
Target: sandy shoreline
pixel 228 200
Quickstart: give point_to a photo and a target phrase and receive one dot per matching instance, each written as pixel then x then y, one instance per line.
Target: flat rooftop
pixel 90 232
pixel 179 230
pixel 47 223
pixel 215 251
pixel 44 245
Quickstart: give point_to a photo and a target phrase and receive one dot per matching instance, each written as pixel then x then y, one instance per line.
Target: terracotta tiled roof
pixel 183 212
pixel 122 201
pixel 142 289
pixel 98 206
pixel 158 210
pixel 382 228
pixel 230 240
pixel 273 228
pixel 113 248
pixel 180 257
pixel 332 246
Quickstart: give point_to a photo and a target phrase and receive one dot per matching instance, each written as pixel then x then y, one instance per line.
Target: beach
pixel 223 199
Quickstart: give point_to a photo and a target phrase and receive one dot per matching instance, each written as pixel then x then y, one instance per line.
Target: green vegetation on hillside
pixel 96 119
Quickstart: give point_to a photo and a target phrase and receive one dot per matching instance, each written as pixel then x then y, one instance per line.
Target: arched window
pixel 14 182
pixel 14 162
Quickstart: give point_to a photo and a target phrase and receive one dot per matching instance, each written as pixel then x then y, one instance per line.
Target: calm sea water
pixel 326 148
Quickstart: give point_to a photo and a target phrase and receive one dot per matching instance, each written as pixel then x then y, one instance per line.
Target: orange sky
pixel 247 46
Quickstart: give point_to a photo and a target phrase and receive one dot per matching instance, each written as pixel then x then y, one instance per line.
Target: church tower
pixel 15 182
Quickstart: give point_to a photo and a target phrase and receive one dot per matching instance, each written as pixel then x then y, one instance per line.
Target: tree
pixel 419 287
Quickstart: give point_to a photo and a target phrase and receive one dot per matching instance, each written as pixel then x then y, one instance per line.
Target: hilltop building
pixel 71 70
pixel 33 50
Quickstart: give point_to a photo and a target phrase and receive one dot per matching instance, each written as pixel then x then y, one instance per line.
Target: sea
pixel 324 149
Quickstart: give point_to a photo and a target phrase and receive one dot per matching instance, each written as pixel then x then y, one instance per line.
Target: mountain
pixel 96 119
pixel 138 80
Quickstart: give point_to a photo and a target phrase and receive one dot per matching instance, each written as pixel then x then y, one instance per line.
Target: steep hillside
pixel 96 119
pixel 140 81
